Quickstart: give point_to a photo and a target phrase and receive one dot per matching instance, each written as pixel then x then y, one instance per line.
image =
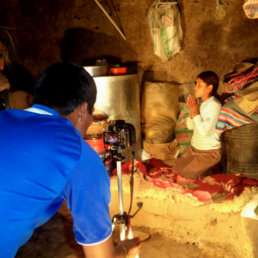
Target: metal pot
pixel 97 70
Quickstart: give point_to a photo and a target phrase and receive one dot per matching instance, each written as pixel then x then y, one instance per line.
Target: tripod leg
pixel 120 197
pixel 122 231
pixel 120 189
pixel 130 236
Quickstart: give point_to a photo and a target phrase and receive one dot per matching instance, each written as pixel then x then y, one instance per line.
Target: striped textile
pixel 229 119
pixel 232 97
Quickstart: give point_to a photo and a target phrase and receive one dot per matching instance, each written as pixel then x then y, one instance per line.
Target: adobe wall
pixel 216 35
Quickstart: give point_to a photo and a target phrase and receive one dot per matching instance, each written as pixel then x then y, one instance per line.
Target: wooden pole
pixel 108 16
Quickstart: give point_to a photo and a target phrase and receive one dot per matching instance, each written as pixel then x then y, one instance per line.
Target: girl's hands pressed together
pixel 193 105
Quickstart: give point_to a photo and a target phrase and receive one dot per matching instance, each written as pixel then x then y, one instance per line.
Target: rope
pixel 237 83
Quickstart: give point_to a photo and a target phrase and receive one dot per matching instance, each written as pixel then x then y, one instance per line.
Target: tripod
pixel 124 219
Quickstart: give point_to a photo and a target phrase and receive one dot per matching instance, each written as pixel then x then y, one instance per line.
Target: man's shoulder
pixel 59 131
pixel 48 131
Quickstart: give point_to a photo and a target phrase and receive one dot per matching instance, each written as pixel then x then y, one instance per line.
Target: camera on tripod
pixel 119 135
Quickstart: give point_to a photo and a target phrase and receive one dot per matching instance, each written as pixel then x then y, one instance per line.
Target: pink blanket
pixel 215 188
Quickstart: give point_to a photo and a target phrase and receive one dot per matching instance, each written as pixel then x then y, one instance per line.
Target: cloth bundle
pixel 241 108
pixel 165 26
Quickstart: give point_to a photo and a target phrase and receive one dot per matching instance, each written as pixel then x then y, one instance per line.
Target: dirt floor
pixel 55 240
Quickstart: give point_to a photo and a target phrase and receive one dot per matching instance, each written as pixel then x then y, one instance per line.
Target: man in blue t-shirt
pixel 44 160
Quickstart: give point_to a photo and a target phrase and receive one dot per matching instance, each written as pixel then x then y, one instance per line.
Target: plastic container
pixel 118 70
pixel 97 144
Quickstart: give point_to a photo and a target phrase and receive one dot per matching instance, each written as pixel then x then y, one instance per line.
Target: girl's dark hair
pixel 63 87
pixel 211 78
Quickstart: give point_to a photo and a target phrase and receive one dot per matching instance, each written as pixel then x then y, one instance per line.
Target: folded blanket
pixel 248 99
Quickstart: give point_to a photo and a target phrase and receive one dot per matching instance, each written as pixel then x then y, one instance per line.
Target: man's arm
pixel 107 249
pixel 88 197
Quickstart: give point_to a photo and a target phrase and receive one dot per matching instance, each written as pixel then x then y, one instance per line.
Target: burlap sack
pixel 159 109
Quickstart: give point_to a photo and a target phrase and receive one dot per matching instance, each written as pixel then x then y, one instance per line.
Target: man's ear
pixel 83 111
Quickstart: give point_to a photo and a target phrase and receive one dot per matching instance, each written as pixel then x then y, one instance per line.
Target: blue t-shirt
pixel 43 160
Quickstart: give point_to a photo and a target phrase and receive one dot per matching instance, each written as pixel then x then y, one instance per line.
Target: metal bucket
pixel 241 150
pixel 119 98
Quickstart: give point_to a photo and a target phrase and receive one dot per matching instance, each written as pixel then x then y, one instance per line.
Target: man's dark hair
pixel 210 78
pixel 63 87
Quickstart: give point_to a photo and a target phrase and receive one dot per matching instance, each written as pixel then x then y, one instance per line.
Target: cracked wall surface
pixel 216 34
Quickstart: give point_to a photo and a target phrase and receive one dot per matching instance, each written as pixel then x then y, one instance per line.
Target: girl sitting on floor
pixel 205 149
